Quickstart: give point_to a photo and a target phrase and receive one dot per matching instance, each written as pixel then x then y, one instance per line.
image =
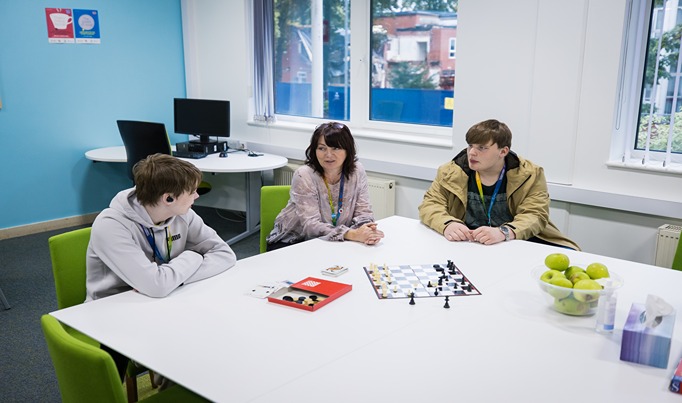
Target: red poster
pixel 59 25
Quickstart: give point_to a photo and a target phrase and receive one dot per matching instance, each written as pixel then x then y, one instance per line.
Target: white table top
pixel 504 345
pixel 235 161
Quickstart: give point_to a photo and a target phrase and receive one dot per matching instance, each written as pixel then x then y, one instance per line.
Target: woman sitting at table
pixel 329 197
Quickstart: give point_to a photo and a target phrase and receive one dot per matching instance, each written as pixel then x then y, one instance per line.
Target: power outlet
pixel 236 144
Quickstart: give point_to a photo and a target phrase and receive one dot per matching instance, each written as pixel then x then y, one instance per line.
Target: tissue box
pixel 643 345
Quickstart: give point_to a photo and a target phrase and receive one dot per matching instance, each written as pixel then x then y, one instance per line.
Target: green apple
pixel 557 261
pixel 550 274
pixel 571 306
pixel 587 285
pixel 597 271
pixel 572 270
pixel 577 276
pixel 564 284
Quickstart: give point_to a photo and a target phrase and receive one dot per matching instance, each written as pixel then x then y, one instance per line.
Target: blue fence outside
pixel 418 106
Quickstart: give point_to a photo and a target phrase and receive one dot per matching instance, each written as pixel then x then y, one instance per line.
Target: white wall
pixel 548 68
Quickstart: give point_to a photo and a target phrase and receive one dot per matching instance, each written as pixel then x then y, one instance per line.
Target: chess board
pixel 425 280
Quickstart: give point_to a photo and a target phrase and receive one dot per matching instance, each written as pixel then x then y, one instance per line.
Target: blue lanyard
pixel 497 189
pixel 152 242
pixel 339 210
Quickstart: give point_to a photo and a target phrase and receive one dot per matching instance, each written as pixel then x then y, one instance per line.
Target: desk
pixel 237 162
pixel 504 345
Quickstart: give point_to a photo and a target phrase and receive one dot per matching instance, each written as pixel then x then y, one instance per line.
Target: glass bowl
pixel 572 301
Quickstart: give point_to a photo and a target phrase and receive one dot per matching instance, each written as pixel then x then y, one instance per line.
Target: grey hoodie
pixel 120 257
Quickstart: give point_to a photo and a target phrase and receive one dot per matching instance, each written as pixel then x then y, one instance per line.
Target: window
pixel 649 127
pixel 413 72
pixel 312 47
pixel 407 78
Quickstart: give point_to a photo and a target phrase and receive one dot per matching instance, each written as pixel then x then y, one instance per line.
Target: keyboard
pixel 189 154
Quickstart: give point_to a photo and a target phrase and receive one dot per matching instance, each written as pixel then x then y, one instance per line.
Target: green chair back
pixel 272 200
pixel 677 261
pixel 68 252
pixel 85 373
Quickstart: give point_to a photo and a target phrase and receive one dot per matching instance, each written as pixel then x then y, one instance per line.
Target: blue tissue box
pixel 648 346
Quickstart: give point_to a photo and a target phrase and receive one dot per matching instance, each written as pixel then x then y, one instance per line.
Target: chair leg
pixel 151 379
pixel 3 300
pixel 131 388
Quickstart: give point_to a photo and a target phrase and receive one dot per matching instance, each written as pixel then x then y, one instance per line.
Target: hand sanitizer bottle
pixel 606 309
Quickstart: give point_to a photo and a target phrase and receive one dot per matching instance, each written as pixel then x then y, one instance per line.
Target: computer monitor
pixel 202 117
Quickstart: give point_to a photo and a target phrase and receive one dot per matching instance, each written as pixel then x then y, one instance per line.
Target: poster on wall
pixel 59 25
pixel 87 26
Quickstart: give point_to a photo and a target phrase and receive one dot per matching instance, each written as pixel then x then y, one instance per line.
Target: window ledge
pixel 383 135
pixel 651 166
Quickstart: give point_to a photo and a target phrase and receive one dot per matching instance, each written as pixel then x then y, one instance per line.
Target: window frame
pixel 360 123
pixel 623 151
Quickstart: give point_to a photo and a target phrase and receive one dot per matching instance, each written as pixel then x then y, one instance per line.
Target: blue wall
pixel 60 100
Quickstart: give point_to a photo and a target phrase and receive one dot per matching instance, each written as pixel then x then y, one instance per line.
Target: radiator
pixel 381 191
pixel 666 244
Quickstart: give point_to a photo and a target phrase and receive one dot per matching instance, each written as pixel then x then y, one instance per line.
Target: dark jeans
pixel 120 360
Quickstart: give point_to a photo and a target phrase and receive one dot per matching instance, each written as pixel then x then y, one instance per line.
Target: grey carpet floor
pixel 26 372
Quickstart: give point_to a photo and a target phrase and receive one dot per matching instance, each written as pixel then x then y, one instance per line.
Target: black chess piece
pixel 412 298
pixel 447 302
pixel 435 292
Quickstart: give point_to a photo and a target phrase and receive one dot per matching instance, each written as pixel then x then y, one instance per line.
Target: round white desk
pixel 235 162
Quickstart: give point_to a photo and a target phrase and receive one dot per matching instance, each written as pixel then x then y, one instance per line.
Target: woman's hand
pixel 367 234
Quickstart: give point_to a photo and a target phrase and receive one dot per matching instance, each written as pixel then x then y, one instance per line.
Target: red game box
pixel 310 294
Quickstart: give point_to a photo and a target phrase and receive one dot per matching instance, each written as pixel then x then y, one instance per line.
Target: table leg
pixel 253 185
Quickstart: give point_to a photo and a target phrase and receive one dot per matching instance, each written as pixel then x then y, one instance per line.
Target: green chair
pixel 272 200
pixel 86 373
pixel 67 252
pixel 677 261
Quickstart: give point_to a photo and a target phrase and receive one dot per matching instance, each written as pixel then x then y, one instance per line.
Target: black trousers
pixel 120 360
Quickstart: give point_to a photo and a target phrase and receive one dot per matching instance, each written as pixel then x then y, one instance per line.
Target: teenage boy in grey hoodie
pixel 149 239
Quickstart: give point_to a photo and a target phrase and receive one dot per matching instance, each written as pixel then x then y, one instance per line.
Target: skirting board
pixel 44 226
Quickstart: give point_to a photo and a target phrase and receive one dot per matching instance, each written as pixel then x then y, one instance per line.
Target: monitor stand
pixel 204 140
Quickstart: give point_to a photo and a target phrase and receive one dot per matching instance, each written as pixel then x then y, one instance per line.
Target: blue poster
pixel 86 26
